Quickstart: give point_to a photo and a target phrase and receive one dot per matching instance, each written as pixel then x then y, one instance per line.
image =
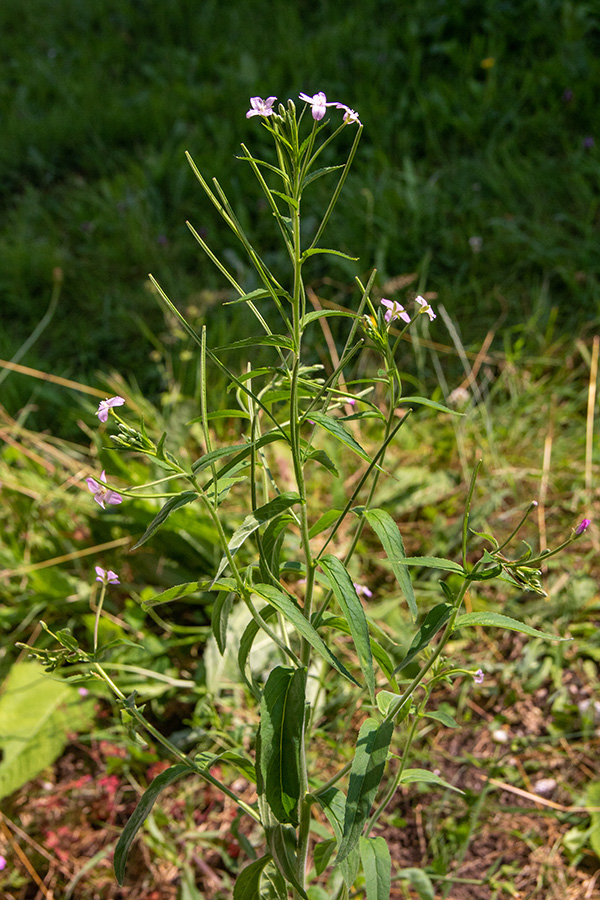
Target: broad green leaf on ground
pixel 391 540
pixel 424 776
pixel 500 621
pixel 365 776
pixel 294 615
pixel 247 883
pixel 434 620
pixel 377 866
pixel 170 506
pixel 142 811
pixel 37 713
pixel 345 593
pixel 281 729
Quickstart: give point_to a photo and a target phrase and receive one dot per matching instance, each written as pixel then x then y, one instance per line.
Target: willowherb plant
pixel 279 562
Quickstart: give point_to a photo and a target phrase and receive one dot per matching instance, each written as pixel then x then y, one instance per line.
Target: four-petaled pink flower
pixel 106 576
pixel 426 307
pixel 583 526
pixel 105 405
pixel 319 104
pixel 362 589
pixel 394 311
pixel 350 115
pixel 261 107
pixel 478 676
pixel 103 494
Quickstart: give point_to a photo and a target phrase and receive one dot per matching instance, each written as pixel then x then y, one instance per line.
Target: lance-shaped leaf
pixel 141 813
pixel 170 506
pixel 500 621
pixel 190 587
pixel 424 401
pixel 242 451
pixel 333 803
pixel 345 594
pixel 272 540
pixel 377 866
pixel 270 340
pixel 247 884
pixel 281 730
pixel 220 618
pixel 246 641
pixel 391 540
pixel 365 776
pixel 424 776
pixel 281 841
pixel 434 620
pixel 294 615
pixel 263 514
pixel 381 655
pixel 435 562
pixel 337 430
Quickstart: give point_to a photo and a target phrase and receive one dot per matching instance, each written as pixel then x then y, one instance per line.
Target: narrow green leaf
pixel 286 197
pixel 220 618
pixel 440 715
pixel 499 621
pixel 377 866
pixel 268 438
pixel 391 540
pixel 322 854
pixel 190 587
pixel 321 457
pixel 246 642
pixel 282 727
pixel 207 760
pixel 271 546
pixel 170 506
pixel 337 430
pixel 315 250
pixel 434 562
pixel 268 340
pixel 424 401
pixel 424 776
pixel 365 776
pixel 247 884
pixel 141 812
pixel 435 619
pixel 318 173
pixel 381 655
pixel 281 840
pixel 258 517
pixel 324 522
pixel 294 615
pixel 225 414
pixel 326 313
pixel 345 594
pixel 333 803
pixel 209 458
pixel 419 882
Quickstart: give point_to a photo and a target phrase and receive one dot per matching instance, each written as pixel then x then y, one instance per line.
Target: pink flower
pixel 106 577
pixel 426 307
pixel 394 311
pixel 350 115
pixel 362 589
pixel 102 494
pixel 2 862
pixel 583 526
pixel 83 692
pixel 261 107
pixel 478 676
pixel 105 405
pixel 319 104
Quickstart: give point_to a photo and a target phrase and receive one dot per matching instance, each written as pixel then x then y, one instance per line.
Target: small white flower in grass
pixel 362 589
pixel 261 107
pixel 425 307
pixel 350 115
pixel 394 311
pixel 478 676
pixel 102 494
pixel 319 104
pixel 106 576
pixel 106 405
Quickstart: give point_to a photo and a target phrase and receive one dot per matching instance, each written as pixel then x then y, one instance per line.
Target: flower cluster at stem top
pixel 318 102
